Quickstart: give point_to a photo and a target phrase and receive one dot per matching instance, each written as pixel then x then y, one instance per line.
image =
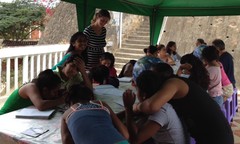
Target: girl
pixel 151 51
pixel 78 44
pixel 108 60
pixel 171 50
pixel 163 126
pixel 203 117
pixel 210 58
pixel 89 122
pixel 127 69
pixel 162 54
pixel 191 67
pixel 69 73
pixel 40 92
pixel 96 34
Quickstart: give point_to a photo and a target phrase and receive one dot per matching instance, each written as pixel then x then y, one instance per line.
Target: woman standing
pixel 96 34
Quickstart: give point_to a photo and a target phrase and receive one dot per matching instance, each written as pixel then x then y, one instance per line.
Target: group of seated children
pixel 170 108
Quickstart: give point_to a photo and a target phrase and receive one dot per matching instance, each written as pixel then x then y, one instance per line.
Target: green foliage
pixel 20 18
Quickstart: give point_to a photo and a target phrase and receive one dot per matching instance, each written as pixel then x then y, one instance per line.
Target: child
pixel 100 75
pixel 89 121
pixel 203 117
pixel 78 44
pixel 69 72
pixel 40 92
pixel 172 51
pixel 162 54
pixel 108 60
pixel 127 69
pixel 163 126
pixel 192 67
pixel 210 58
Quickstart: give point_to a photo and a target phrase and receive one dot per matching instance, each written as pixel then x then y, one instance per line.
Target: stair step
pixel 128 56
pixel 144 33
pixel 145 29
pixel 140 46
pixel 130 50
pixel 139 37
pixel 136 41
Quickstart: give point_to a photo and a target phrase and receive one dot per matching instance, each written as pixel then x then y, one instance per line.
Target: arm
pixel 41 104
pixel 173 88
pixel 81 67
pixel 170 61
pixel 61 62
pixel 186 67
pixel 146 131
pixel 117 123
pixel 65 133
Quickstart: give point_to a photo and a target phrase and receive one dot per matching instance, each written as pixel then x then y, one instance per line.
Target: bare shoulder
pixel 179 85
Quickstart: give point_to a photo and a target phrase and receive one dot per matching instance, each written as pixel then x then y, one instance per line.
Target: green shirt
pixel 66 84
pixel 65 57
pixel 15 102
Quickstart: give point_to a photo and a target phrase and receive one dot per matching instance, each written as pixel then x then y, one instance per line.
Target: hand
pixel 80 64
pixel 129 98
pixel 186 66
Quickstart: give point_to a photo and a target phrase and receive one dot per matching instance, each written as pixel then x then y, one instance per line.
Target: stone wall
pixel 185 30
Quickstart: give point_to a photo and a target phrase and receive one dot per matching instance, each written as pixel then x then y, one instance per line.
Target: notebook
pixel 33 113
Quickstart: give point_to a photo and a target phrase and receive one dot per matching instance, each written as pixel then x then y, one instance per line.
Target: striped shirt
pixel 96 44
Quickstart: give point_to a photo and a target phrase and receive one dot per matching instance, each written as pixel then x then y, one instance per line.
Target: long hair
pixel 46 79
pixel 132 62
pixel 74 38
pixel 168 47
pixel 199 73
pixel 108 56
pixel 101 13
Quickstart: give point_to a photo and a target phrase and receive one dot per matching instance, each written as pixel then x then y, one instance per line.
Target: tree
pixel 20 18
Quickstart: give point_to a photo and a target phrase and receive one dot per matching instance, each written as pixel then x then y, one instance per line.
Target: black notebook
pixel 33 113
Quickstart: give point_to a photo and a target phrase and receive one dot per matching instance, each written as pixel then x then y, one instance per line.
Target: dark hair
pixel 160 46
pixel 132 62
pixel 210 53
pixel 101 13
pixel 73 39
pixel 168 47
pixel 71 58
pixel 151 49
pixel 148 82
pixel 99 73
pixel 199 73
pixel 201 41
pixel 78 93
pixel 47 79
pixel 108 56
pixel 219 44
pixel 163 69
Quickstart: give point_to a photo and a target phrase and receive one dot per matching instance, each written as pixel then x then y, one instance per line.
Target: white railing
pixel 34 59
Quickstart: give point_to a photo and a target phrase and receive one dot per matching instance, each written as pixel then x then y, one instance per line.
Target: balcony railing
pixel 19 65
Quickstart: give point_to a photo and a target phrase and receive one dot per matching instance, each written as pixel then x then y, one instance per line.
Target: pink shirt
pixel 225 80
pixel 215 86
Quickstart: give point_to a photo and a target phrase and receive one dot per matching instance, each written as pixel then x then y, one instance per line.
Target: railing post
pixel 15 72
pixel 32 67
pixel 55 58
pixel 8 75
pixel 50 61
pixel 25 69
pixel 38 64
pixel 120 30
pixel 44 62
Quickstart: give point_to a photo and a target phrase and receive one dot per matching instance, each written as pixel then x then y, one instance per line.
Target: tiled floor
pixel 236 125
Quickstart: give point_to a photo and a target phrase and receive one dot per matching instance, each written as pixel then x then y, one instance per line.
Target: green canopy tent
pixel 156 10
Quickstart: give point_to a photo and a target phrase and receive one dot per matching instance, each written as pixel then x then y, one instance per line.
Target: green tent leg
pixel 155 26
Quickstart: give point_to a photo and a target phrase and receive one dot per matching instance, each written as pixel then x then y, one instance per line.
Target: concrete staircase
pixel 133 45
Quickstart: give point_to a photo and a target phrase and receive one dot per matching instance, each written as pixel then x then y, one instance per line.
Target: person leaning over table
pixel 203 117
pixel 90 122
pixel 163 126
pixel 42 92
pixel 72 72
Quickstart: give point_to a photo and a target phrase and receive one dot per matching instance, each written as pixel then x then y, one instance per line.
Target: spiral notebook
pixel 32 112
